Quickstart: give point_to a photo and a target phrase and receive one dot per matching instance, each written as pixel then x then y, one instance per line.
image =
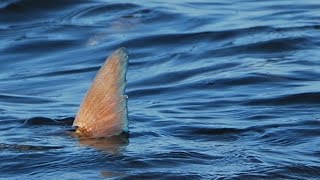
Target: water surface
pixel 217 89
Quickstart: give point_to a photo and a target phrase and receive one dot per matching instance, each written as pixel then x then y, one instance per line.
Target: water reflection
pixel 110 174
pixel 112 145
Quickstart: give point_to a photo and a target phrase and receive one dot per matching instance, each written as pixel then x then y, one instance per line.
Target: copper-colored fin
pixel 103 111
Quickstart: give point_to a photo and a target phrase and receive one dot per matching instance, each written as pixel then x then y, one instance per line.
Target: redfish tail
pixel 103 112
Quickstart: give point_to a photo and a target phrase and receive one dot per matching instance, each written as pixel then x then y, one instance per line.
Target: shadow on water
pixel 22 147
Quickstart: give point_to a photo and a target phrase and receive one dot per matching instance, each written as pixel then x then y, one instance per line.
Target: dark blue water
pixel 217 89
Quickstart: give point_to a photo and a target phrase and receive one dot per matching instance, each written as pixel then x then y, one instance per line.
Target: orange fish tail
pixel 103 111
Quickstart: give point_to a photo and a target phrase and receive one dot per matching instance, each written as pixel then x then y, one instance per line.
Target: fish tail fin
pixel 103 111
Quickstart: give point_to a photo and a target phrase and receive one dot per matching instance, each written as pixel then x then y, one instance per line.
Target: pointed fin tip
pixel 122 52
pixel 123 58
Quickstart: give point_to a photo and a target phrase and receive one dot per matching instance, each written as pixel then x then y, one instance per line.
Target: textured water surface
pixel 217 89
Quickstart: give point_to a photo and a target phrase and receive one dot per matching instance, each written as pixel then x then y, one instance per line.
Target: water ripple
pixel 217 90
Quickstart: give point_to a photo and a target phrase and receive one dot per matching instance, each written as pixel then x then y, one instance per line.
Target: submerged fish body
pixel 103 112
